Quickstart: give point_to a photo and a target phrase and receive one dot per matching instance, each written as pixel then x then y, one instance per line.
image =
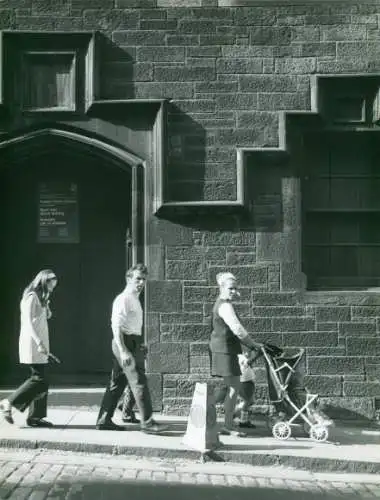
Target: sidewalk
pixel 349 449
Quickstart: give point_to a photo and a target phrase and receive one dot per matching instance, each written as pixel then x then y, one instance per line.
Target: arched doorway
pixel 67 202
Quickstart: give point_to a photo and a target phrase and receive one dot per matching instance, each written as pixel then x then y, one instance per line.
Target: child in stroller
pixel 289 396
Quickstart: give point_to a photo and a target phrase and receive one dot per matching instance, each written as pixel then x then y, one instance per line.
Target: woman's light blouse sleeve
pixel 228 315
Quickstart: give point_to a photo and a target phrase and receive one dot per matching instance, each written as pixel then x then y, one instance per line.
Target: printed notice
pixel 58 219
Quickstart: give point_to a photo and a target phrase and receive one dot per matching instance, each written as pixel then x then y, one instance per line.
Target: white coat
pixel 33 328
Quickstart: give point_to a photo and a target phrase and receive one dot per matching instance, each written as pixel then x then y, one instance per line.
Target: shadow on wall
pixel 265 191
pixel 117 70
pixel 185 178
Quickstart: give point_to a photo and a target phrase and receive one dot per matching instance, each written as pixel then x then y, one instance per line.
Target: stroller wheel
pixel 281 430
pixel 319 433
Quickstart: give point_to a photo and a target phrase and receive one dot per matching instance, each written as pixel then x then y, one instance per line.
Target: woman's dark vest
pixel 222 339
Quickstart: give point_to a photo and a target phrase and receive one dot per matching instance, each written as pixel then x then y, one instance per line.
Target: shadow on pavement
pixel 104 489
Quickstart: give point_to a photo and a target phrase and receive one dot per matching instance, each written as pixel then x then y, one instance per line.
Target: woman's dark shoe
pixel 109 426
pixel 6 412
pixel 130 419
pixel 38 422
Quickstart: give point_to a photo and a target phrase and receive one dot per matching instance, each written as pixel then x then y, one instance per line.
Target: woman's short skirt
pixel 224 365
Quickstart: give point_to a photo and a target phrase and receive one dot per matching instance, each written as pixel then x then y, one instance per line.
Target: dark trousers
pixel 128 402
pixel 32 393
pixel 120 376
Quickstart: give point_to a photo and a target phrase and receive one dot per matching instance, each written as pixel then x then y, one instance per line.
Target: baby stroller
pixel 291 400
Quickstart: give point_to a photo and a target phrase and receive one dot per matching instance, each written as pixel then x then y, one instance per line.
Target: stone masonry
pixel 229 69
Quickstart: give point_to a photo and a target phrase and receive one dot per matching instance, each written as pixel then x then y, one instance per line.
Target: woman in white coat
pixel 33 351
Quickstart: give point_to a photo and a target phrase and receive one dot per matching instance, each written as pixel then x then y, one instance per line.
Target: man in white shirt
pixel 128 356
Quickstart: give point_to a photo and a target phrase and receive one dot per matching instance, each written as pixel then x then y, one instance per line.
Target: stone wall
pixel 229 72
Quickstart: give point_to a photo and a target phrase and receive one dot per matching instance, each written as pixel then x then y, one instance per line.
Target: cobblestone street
pixel 40 475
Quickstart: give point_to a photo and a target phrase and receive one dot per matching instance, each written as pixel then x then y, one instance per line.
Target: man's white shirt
pixel 127 314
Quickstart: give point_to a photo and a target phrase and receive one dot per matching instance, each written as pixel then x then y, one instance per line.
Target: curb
pixel 311 464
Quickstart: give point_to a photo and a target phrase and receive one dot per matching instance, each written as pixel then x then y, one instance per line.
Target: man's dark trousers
pixel 136 378
pixel 33 393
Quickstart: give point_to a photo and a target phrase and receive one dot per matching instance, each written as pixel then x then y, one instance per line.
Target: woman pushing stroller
pixel 227 338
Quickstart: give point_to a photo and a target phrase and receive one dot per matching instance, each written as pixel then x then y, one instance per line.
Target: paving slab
pixel 350 449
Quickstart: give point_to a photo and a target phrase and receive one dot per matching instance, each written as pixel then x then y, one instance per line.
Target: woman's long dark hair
pixel 39 285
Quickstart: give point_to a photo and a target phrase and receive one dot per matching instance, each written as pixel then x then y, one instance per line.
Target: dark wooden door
pixel 90 270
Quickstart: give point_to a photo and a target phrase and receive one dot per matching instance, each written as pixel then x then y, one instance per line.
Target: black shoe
pixel 38 422
pixel 109 426
pixel 130 419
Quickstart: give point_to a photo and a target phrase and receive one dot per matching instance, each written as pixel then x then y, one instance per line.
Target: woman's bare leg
pixel 233 384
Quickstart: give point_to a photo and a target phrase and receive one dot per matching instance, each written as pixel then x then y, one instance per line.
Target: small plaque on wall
pixel 58 218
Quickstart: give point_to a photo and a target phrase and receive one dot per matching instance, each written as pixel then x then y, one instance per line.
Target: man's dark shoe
pixel 109 426
pixel 130 419
pixel 38 422
pixel 153 427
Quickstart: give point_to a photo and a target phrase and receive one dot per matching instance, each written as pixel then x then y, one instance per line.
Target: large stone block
pixel 280 101
pixel 365 311
pixel 365 50
pixel 217 39
pixel 363 346
pixel 216 87
pixel 256 275
pixel 236 101
pixel 172 90
pixel 183 74
pixel 324 386
pixel 255 16
pixel 168 357
pixel 164 296
pixel 181 318
pixel 310 339
pixel 268 83
pixel 293 324
pixel 241 259
pixel 257 119
pixel 357 329
pixel 139 37
pixel 275 298
pixel 327 326
pixel 204 52
pixel 239 66
pixel 300 65
pixel 369 389
pixel 257 325
pixel 269 35
pixel 197 332
pixel 169 233
pixel 185 269
pixel 306 34
pixel 326 351
pixel 154 24
pixel 155 387
pixel 318 49
pixel 199 349
pixel 335 365
pixel 228 238
pixel 110 19
pixel 161 54
pixel 343 33
pixel 52 7
pixel 332 314
pixel 279 311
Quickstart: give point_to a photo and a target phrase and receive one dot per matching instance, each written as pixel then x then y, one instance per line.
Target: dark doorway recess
pixel 89 259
